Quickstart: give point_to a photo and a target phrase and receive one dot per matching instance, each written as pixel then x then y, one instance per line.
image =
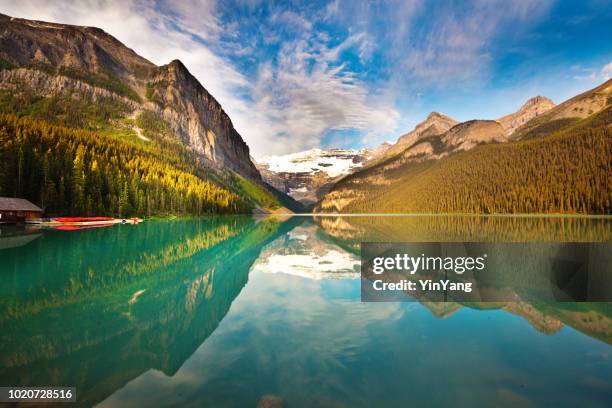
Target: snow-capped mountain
pixel 334 162
pixel 307 175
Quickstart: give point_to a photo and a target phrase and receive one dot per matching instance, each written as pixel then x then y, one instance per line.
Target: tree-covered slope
pixel 565 169
pixel 75 171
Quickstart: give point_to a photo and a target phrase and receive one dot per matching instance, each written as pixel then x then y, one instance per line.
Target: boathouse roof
pixel 17 204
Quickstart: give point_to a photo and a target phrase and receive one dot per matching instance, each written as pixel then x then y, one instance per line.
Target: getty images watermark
pixel 486 272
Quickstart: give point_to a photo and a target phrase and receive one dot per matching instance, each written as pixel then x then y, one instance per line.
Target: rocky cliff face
pixel 54 58
pixel 199 119
pixel 533 107
pixel 467 135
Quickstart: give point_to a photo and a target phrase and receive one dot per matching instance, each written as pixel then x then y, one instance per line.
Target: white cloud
pixel 291 19
pixel 458 48
pixel 195 16
pixel 306 93
pixel 588 75
pixel 591 73
pixel 581 73
pixel 606 71
pixel 332 9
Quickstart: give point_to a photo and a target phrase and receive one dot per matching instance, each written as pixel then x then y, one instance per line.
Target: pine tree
pixel 78 179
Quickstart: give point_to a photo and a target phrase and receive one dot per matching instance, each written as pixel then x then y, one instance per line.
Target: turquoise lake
pixel 225 311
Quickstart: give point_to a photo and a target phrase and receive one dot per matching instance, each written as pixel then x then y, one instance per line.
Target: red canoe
pixel 82 219
pixel 79 227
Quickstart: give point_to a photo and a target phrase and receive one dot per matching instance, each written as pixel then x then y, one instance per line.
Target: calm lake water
pixel 223 311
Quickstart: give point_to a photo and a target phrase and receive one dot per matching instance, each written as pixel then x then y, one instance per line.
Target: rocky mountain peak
pixel 381 150
pixel 199 119
pixel 538 100
pixel 436 123
pixel 436 116
pixel 530 109
pixel 54 58
pixel 27 43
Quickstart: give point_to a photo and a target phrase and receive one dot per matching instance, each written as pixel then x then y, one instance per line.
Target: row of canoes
pixel 70 223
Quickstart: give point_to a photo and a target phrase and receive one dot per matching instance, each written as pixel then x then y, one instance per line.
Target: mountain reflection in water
pixel 221 311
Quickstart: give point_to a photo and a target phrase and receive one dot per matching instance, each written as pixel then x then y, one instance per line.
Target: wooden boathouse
pixel 14 210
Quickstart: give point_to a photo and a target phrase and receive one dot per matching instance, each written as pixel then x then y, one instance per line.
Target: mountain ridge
pixel 533 107
pixel 478 167
pixel 567 112
pixel 436 123
pixel 437 136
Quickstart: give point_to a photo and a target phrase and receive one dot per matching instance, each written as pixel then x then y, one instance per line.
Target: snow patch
pixel 335 162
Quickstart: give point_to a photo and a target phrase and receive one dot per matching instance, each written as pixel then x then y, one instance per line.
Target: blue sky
pixel 338 73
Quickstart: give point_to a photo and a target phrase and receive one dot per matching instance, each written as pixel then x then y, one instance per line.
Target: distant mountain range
pixel 83 78
pixel 307 176
pixel 541 159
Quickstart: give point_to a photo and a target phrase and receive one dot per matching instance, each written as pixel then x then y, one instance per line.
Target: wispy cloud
pixel 307 93
pixel 581 73
pixel 194 16
pixel 606 71
pixel 456 43
pixel 291 19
